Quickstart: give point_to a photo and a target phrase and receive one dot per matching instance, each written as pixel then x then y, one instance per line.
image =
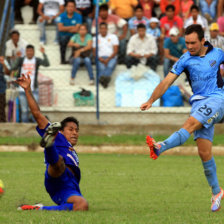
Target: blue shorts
pixel 63 187
pixel 208 112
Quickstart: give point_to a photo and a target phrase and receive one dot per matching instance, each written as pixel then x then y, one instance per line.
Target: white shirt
pixel 142 46
pixel 215 42
pixel 51 7
pixel 200 20
pixel 28 67
pixel 106 44
pixel 12 50
pixel 83 4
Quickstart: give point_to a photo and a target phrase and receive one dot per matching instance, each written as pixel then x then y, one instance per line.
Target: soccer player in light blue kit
pixel 201 63
pixel 62 175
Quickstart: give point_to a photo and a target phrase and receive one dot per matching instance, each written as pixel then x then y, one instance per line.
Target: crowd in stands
pixel 130 32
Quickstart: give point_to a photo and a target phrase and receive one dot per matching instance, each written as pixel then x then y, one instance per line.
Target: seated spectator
pixel 82 45
pixel 29 65
pixel 154 29
pixel 116 25
pixel 124 8
pixel 15 46
pixel 142 48
pixel 185 8
pixel 196 18
pixel 208 9
pixel 170 20
pixel 174 47
pixel 165 3
pixel 148 6
pixel 68 24
pixel 213 36
pixel 48 11
pixel 18 4
pixel 87 11
pixel 107 53
pixel 137 19
pixel 4 69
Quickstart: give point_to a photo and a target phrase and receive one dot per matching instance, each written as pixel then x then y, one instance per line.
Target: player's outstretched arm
pixel 159 90
pixel 24 82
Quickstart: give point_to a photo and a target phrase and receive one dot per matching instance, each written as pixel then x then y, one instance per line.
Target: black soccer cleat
pixel 50 134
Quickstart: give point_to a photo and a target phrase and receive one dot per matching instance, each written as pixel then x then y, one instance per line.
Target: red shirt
pixel 168 24
pixel 165 3
pixel 147 8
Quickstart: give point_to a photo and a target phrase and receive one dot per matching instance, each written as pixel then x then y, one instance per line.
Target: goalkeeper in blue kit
pixel 201 63
pixel 62 175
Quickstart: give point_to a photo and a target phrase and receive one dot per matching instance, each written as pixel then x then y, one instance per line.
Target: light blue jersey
pixel 203 73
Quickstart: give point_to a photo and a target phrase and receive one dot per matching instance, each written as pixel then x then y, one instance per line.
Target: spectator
pixel 86 8
pixel 48 11
pixel 148 6
pixel 220 8
pixel 137 19
pixel 185 8
pixel 208 9
pixel 220 17
pixel 142 48
pixel 15 46
pixel 154 29
pixel 124 8
pixel 68 24
pixel 82 44
pixel 165 3
pixel 115 25
pixel 18 4
pixel 29 65
pixel 170 20
pixel 213 36
pixel 196 18
pixel 4 69
pixel 174 47
pixel 107 52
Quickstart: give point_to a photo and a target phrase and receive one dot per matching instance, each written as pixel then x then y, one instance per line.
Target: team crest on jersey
pixel 212 62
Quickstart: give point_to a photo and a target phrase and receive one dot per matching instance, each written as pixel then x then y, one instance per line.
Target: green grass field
pixel 119 189
pixel 97 140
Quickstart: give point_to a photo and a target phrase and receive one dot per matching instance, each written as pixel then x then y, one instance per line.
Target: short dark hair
pixel 69 1
pixel 141 25
pixel 138 7
pixel 194 7
pixel 30 46
pixel 103 24
pixel 170 7
pixel 104 7
pixel 69 119
pixel 14 32
pixel 195 28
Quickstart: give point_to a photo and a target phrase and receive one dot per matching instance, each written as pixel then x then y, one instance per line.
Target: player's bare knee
pixel 204 155
pixel 192 125
pixel 81 206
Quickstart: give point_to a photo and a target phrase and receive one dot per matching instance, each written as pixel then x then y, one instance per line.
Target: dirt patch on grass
pixel 185 150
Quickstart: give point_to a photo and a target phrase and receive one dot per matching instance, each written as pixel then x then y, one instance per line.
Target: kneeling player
pixel 62 175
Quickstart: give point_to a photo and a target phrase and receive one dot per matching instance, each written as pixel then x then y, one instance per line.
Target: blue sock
pixel 177 138
pixel 62 207
pixel 51 154
pixel 210 173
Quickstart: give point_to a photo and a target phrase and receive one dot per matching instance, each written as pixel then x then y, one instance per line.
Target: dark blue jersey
pixel 203 72
pixel 66 150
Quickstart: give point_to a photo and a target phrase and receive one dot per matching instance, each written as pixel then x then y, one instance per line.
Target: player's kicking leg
pixel 176 139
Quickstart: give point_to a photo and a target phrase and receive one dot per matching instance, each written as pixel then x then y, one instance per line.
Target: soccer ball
pixel 1 188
